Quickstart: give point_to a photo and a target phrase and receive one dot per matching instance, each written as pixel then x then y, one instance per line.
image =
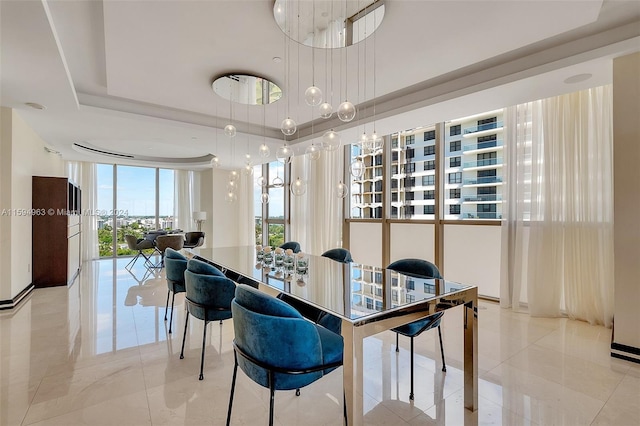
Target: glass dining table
pixel 366 299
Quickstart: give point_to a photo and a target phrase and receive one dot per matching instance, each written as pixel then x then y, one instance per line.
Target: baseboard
pixel 628 353
pixel 12 303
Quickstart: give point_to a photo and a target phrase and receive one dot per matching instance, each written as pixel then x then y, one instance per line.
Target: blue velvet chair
pixel 291 245
pixel 339 255
pixel 209 296
pixel 418 268
pixel 276 347
pixel 175 265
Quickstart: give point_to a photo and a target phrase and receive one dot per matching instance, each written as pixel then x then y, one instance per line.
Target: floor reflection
pixel 99 352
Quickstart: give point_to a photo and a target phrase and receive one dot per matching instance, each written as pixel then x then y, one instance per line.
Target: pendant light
pixel 325 109
pixel 341 190
pixel 230 129
pixel 313 94
pixel 331 140
pixel 288 126
pixel 298 187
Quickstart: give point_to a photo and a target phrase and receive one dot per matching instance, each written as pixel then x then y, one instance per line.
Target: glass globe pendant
pixel 230 197
pixel 357 168
pixel 342 190
pixel 377 142
pixel 313 96
pixel 233 175
pixel 277 182
pixel 261 181
pixel 230 130
pixel 247 170
pixel 284 154
pixel 313 151
pixel 299 187
pixel 346 111
pixel 325 109
pixel 288 126
pixel 264 197
pixel 232 186
pixel 215 162
pixel 331 140
pixel 264 150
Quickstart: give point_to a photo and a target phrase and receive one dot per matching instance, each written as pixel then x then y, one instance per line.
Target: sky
pixel 136 190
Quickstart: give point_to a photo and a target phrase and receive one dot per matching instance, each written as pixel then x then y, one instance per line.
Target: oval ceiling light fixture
pixel 578 78
pixel 247 89
pixel 35 105
pixel 328 23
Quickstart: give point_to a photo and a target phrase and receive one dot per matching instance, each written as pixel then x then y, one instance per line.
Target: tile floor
pixel 99 353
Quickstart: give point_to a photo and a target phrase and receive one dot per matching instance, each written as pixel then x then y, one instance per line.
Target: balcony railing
pixel 483 197
pixel 485 162
pixel 483 127
pixel 482 215
pixel 482 145
pixel 482 180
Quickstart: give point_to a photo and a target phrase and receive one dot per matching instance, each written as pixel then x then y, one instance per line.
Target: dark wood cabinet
pixel 56 205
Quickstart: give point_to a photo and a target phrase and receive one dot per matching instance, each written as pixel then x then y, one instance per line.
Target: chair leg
pixel 166 306
pixel 184 335
pixel 444 366
pixel 204 339
pixel 233 386
pixel 173 298
pixel 147 262
pixel 397 347
pixel 411 394
pixel 272 391
pixel 132 261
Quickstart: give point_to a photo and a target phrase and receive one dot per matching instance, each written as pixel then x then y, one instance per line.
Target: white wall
pixel 365 242
pixel 412 240
pixel 626 158
pixel 23 156
pixel 472 256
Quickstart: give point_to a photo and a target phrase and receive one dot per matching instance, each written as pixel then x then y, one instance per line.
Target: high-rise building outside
pixel 471 172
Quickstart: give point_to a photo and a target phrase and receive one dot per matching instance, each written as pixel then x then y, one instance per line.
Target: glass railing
pixel 481 180
pixel 481 215
pixel 485 162
pixel 482 145
pixel 483 197
pixel 483 127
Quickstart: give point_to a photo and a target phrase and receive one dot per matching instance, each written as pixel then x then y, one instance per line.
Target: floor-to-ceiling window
pixel 131 201
pixel 270 203
pixel 433 192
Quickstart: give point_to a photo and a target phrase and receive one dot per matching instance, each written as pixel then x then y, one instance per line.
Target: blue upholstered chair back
pixel 339 255
pixel 291 245
pixel 274 333
pixel 209 292
pixel 417 267
pixel 175 265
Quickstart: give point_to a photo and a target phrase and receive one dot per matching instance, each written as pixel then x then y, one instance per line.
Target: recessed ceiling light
pixel 277 59
pixel 578 78
pixel 35 105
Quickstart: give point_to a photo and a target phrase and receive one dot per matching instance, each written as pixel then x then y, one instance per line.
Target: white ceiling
pixel 134 77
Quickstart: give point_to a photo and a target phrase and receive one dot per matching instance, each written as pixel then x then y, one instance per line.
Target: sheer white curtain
pixel 316 216
pixel 246 228
pixel 183 197
pixel 560 189
pixel 85 175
